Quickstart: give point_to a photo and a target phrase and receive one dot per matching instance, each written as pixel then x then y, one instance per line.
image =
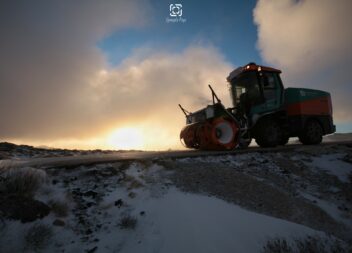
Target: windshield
pixel 245 84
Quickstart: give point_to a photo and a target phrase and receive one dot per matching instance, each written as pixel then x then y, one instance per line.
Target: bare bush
pixel 21 181
pixel 128 222
pixel 60 208
pixel 314 244
pixel 350 177
pixel 38 237
pixel 277 245
pixel 133 183
pixel 311 244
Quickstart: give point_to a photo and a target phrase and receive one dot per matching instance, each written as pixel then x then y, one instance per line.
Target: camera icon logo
pixel 176 10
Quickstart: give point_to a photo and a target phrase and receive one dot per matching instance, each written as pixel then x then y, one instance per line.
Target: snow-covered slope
pixel 233 203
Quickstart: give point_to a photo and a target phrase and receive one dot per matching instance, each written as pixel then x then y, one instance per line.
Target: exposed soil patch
pixel 22 208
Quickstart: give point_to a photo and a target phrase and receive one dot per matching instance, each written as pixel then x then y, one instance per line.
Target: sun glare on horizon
pixel 126 138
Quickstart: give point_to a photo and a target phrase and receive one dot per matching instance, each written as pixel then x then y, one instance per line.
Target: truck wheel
pixel 284 138
pixel 245 143
pixel 283 141
pixel 268 134
pixel 312 133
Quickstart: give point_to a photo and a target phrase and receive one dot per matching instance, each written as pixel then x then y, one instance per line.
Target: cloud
pixel 145 91
pixel 48 55
pixel 311 42
pixel 159 79
pixel 57 88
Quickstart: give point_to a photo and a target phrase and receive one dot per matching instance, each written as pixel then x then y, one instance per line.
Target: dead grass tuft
pixel 311 244
pixel 21 181
pixel 59 208
pixel 38 236
pixel 127 222
pixel 277 245
pixel 350 177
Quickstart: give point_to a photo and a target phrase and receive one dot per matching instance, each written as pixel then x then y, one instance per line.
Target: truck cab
pixel 256 90
pixel 272 113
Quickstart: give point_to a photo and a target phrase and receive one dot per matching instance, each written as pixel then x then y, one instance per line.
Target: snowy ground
pixel 233 203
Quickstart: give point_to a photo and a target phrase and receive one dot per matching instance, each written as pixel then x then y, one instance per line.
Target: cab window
pixel 269 82
pixel 246 87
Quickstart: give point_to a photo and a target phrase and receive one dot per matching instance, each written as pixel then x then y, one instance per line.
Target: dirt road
pixel 141 155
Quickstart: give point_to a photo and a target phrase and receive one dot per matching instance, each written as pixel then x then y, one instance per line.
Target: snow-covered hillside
pixel 255 202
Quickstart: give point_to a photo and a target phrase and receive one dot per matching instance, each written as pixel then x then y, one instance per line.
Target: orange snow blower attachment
pixel 212 134
pixel 211 128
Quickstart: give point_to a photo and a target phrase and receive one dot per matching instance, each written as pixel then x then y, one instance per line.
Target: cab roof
pixel 250 67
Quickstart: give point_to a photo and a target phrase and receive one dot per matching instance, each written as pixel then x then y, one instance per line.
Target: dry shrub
pixel 314 244
pixel 127 222
pixel 311 244
pixel 59 208
pixel 21 181
pixel 350 177
pixel 38 236
pixel 277 245
pixel 135 184
pixel 132 182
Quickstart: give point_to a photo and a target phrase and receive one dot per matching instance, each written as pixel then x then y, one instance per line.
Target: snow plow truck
pixel 262 110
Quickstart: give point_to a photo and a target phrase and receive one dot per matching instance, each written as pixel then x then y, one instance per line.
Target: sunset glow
pixel 126 138
pixel 110 75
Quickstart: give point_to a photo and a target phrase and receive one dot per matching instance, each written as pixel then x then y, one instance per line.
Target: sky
pixel 110 74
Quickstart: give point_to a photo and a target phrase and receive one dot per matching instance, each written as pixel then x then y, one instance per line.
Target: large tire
pixel 245 143
pixel 269 134
pixel 283 141
pixel 284 138
pixel 312 133
pixel 217 134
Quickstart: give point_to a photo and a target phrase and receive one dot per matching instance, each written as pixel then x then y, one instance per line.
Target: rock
pixel 23 208
pixel 81 220
pixel 343 207
pixel 84 238
pixel 119 203
pixel 347 158
pixel 88 231
pixel 132 195
pixel 90 204
pixel 284 171
pixel 77 192
pixel 58 222
pixel 92 250
pixel 106 173
pixel 91 194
